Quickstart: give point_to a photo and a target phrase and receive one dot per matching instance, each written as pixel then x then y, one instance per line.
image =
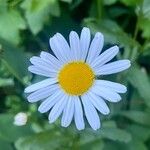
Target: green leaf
pixel 14 60
pixel 3 6
pixel 109 2
pixel 137 116
pixel 143 133
pixel 5 145
pixel 112 35
pixel 133 145
pixel 11 22
pixel 37 12
pixel 109 124
pixel 6 82
pixel 94 145
pixel 146 9
pixel 143 13
pixel 144 25
pixel 136 145
pixel 44 140
pixel 115 134
pixel 10 132
pixel 111 133
pixel 131 2
pixel 68 1
pixel 139 80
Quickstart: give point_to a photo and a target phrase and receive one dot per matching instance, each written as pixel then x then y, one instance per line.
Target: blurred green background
pixel 25 29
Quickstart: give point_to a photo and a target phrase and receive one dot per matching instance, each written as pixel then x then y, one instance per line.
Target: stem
pixel 138 21
pixel 99 4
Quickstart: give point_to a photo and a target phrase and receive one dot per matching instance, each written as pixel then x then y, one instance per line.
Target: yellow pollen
pixel 76 78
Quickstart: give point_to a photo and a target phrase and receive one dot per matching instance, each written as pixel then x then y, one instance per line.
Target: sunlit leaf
pixel 11 22
pixel 139 79
pixel 47 140
pixel 38 12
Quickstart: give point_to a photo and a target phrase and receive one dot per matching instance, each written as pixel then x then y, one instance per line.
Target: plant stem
pixel 138 21
pixel 99 4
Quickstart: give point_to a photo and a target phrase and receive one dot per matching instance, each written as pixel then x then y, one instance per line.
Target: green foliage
pixel 11 21
pixel 9 132
pixel 37 12
pixel 25 28
pixel 140 80
pixel 14 60
pixel 45 139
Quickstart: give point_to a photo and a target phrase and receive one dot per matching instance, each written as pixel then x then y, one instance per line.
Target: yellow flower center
pixel 76 78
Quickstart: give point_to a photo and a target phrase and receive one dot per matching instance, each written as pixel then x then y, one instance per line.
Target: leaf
pixel 133 145
pixel 14 60
pixel 10 132
pixel 144 26
pixel 3 6
pixel 139 80
pixel 137 116
pixel 143 133
pixel 109 2
pixel 111 133
pixel 112 35
pixel 68 1
pixel 6 82
pixel 94 145
pixel 11 22
pixel 109 124
pixel 146 9
pixel 131 2
pixel 5 145
pixel 136 145
pixel 143 13
pixel 44 140
pixel 115 134
pixel 37 12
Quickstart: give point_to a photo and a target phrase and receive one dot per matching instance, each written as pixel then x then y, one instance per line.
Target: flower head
pixel 71 87
pixel 20 119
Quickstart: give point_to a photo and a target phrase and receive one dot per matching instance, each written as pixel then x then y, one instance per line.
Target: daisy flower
pixel 72 88
pixel 20 119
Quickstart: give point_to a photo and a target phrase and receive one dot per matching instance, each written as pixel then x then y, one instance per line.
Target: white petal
pixel 119 88
pixel 78 114
pixel 42 93
pixel 51 60
pixel 95 47
pixel 98 103
pixel 90 112
pixel 40 85
pixel 58 109
pixel 60 48
pixel 47 104
pixel 113 67
pixel 68 113
pixel 75 45
pixel 85 42
pixel 105 56
pixel 39 71
pixel 38 62
pixel 106 93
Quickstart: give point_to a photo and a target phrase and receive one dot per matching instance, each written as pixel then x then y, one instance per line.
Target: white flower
pixel 71 87
pixel 20 119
